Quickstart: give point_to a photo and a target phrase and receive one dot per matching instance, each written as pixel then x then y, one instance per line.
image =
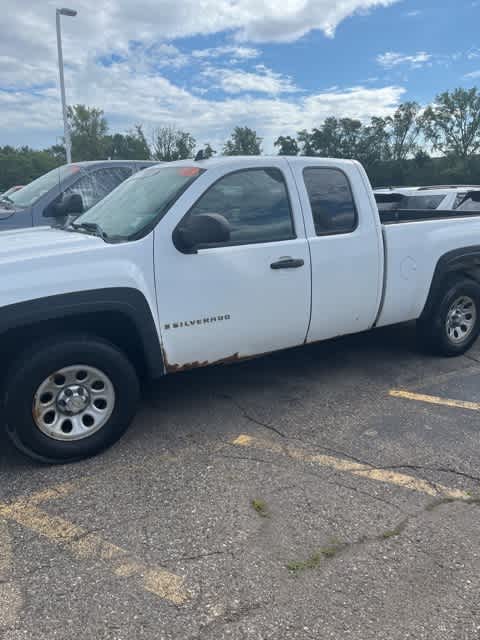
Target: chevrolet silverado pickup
pixel 189 264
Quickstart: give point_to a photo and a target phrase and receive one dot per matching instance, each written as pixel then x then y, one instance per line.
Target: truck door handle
pixel 287 263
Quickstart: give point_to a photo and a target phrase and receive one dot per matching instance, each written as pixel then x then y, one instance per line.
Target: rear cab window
pixel 331 200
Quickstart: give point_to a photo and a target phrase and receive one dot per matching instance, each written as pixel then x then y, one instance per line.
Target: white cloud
pixel 472 74
pixel 133 43
pixel 128 98
pixel 413 14
pixel 112 25
pixel 16 73
pixel 392 59
pixel 235 81
pixel 237 53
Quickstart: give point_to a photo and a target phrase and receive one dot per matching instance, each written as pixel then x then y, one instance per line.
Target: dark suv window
pixel 254 201
pixel 469 205
pixel 94 186
pixel 331 200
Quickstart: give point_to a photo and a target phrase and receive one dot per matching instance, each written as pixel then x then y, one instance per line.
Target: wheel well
pixel 456 264
pixel 115 327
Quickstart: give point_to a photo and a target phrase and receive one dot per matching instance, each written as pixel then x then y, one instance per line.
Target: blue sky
pixel 276 68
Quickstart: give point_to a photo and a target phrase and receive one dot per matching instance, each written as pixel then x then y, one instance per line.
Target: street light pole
pixel 66 128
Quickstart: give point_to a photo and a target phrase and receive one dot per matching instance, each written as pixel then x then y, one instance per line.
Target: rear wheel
pixel 453 322
pixel 74 397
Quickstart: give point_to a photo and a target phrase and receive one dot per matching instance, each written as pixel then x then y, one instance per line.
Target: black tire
pixel 432 328
pixel 31 368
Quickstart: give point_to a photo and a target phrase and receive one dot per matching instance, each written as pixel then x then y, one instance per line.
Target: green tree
pixel 205 153
pixel 337 138
pixel 404 126
pixel 130 146
pixel 287 146
pixel 89 128
pixel 185 145
pixel 243 142
pixel 208 152
pixel 22 165
pixel 422 158
pixel 58 152
pixel 305 143
pixel 171 144
pixel 327 139
pixel 452 123
pixel 374 143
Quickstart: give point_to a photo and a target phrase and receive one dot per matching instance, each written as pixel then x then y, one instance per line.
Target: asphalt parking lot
pixel 325 492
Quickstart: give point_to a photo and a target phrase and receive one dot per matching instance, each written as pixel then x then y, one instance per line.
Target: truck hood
pixel 21 245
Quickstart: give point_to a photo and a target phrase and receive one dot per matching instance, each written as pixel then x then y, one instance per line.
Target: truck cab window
pixel 331 200
pixel 94 186
pixel 255 202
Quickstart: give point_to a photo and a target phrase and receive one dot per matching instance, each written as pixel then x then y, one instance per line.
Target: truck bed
pixel 412 252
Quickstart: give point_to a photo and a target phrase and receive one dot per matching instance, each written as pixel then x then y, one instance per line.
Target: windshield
pixel 136 205
pixel 9 192
pixel 32 192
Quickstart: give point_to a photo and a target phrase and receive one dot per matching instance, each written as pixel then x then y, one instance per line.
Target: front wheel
pixel 73 398
pixel 453 323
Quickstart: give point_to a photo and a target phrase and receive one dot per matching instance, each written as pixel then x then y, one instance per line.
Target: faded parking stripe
pixel 10 595
pixel 355 468
pixel 86 545
pixel 446 402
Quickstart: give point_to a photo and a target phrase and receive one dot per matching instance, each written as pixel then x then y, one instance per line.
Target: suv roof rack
pixel 449 186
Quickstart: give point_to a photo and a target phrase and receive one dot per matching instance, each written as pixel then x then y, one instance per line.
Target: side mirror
pixel 201 231
pixel 71 204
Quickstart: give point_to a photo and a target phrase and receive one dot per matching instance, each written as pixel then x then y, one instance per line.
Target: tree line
pixel 436 145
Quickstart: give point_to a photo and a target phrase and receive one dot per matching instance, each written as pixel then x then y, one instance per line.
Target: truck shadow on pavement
pixel 375 354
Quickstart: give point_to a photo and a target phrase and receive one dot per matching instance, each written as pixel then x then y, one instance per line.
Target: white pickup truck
pixel 197 263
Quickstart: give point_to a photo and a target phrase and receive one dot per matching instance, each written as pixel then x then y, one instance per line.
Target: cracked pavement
pixel 330 553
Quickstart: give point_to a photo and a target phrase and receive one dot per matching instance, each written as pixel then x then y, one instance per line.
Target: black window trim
pixel 236 244
pixel 331 233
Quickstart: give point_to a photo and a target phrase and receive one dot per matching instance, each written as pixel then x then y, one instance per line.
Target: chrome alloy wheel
pixel 73 403
pixel 461 319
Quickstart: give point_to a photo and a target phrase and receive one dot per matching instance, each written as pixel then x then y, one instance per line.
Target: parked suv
pixel 64 192
pixel 442 197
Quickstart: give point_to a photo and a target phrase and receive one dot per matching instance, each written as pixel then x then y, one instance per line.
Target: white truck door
pixel 346 246
pixel 246 296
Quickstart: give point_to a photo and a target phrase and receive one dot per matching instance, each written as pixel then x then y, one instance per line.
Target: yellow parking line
pixel 446 402
pixel 50 493
pixel 10 594
pixel 86 545
pixel 354 468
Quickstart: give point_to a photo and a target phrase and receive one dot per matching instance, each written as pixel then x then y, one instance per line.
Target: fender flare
pixel 129 302
pixel 465 260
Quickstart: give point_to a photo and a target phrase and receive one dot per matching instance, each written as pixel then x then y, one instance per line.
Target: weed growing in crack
pixel 260 506
pixel 298 566
pixel 391 533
